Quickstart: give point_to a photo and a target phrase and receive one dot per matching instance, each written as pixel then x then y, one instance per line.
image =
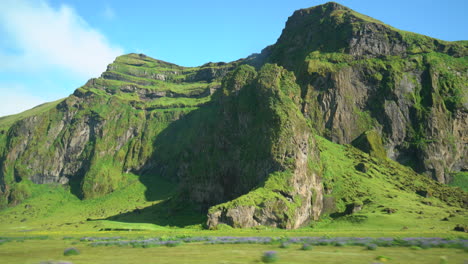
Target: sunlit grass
pixel 32 251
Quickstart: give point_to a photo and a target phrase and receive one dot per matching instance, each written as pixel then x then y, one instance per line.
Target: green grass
pixel 385 185
pixel 7 121
pixel 31 251
pixel 460 179
pixel 52 208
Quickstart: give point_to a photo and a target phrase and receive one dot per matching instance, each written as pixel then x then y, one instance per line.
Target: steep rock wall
pixel 358 74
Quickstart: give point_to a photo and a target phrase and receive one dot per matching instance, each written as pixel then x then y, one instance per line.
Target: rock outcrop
pixel 290 194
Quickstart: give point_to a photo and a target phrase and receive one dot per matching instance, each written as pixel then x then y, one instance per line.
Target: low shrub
pixel 71 252
pixel 306 247
pixel 269 257
pixel 173 243
pixel 340 244
pixel 371 247
pixel 285 245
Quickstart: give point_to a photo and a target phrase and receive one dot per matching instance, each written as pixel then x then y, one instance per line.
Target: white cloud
pixel 46 38
pixel 16 99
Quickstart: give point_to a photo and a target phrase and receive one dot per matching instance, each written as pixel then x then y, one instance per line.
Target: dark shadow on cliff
pixel 166 213
pixel 174 148
pixel 160 174
pixel 75 186
pixel 169 211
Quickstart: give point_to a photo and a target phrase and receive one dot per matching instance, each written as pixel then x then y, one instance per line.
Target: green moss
pixel 20 191
pixel 325 62
pixel 371 142
pixel 103 177
pixel 460 179
pixel 279 181
pixel 365 120
pixel 183 88
pixel 451 86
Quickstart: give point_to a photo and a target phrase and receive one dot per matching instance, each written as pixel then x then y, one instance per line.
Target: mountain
pixel 257 141
pixel 358 74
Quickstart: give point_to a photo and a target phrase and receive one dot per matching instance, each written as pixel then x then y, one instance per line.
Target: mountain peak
pixel 336 10
pixel 334 28
pixel 331 6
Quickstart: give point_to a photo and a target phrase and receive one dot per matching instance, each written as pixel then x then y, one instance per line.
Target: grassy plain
pixel 51 249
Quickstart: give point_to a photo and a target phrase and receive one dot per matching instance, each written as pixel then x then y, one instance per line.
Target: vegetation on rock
pixel 254 142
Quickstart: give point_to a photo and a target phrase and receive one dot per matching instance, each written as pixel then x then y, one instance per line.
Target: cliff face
pixel 105 128
pixel 239 141
pixel 358 74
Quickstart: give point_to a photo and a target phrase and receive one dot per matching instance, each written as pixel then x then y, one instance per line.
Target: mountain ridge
pixel 394 59
pixel 239 139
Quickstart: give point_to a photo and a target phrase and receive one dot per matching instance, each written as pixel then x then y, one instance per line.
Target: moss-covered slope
pixel 238 140
pixel 105 128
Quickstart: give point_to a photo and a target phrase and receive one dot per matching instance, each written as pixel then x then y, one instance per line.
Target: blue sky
pixel 49 48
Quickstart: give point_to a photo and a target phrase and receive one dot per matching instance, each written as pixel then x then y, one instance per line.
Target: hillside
pixel 318 127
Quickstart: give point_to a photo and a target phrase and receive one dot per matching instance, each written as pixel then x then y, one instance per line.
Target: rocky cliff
pixel 358 74
pixel 239 138
pixel 106 127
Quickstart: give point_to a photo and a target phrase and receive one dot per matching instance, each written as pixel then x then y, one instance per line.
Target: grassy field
pixel 37 246
pixel 52 248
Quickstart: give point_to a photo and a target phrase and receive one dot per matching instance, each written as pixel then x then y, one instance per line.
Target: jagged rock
pixel 241 216
pixel 373 39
